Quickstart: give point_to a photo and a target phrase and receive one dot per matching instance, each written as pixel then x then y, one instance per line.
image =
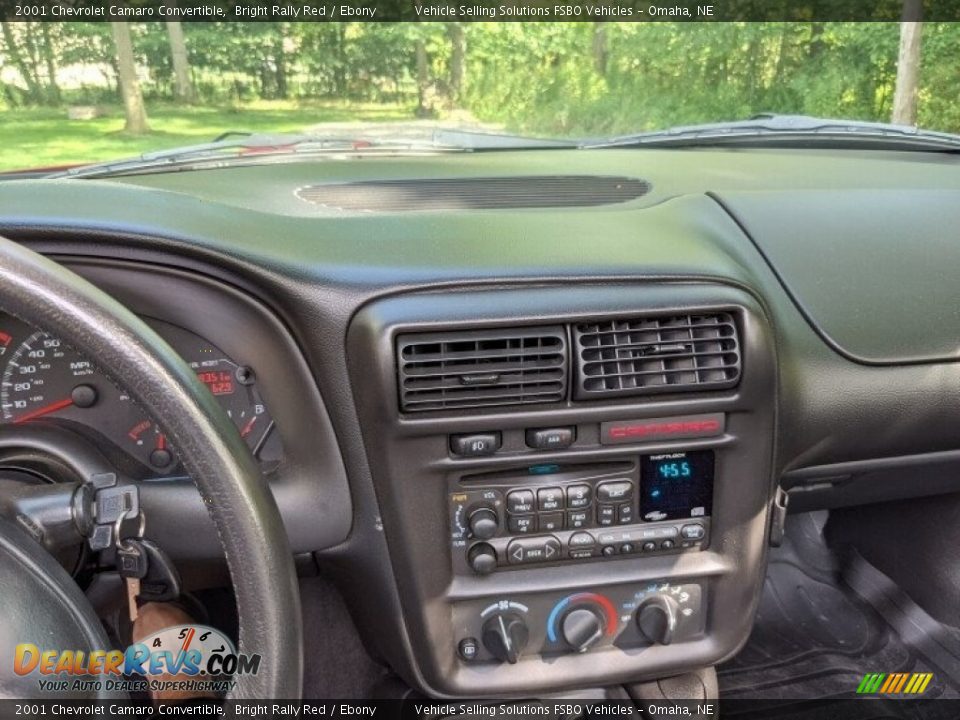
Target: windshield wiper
pixel 792 131
pixel 235 147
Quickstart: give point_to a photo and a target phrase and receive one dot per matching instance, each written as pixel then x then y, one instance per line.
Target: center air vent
pixel 483 193
pixel 640 356
pixel 472 369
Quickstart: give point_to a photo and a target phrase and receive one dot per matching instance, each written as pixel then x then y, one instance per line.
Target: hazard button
pixel 533 550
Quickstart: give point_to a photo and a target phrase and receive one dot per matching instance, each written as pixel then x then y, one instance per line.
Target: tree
pixel 183 89
pixel 908 65
pixel 458 59
pixel 129 85
pixel 26 68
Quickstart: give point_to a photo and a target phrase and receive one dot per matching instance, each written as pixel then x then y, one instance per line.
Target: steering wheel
pixel 41 601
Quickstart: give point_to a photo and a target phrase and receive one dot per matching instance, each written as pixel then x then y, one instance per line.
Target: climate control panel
pixel 629 616
pixel 553 513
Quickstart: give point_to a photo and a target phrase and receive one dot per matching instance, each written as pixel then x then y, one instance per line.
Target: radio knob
pixel 483 523
pixel 482 558
pixel 582 628
pixel 657 619
pixel 505 635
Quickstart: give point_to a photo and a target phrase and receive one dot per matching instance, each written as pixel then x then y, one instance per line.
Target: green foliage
pixel 545 78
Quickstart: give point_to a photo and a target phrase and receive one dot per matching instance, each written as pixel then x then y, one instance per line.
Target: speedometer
pixel 42 377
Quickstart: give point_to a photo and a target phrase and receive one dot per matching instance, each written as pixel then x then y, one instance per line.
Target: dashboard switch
pixel 533 550
pixel 520 502
pixel 550 498
pixel 578 496
pixel 551 438
pixel 692 532
pixel 615 491
pixel 475 444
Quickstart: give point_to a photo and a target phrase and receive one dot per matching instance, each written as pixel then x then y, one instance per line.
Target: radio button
pixel 664 531
pixel 520 502
pixel 606 515
pixel 551 522
pixel 626 548
pixel 692 532
pixel 617 490
pixel 581 539
pixel 522 524
pixel 625 513
pixel 667 545
pixel 550 498
pixel 579 496
pixel 649 546
pixel 577 519
pixel 533 550
pixel 609 550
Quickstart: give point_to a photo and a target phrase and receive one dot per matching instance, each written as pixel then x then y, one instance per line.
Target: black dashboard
pixel 536 448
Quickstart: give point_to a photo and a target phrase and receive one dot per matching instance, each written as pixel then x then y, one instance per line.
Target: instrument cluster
pixel 42 378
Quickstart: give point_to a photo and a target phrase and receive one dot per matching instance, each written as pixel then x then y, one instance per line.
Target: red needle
pixel 45 410
pixel 248 427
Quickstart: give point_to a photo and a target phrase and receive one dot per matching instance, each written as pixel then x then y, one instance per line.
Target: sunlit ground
pixel 41 137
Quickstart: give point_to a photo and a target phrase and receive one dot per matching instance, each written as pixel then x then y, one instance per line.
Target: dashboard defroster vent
pixel 657 354
pixel 481 368
pixel 481 193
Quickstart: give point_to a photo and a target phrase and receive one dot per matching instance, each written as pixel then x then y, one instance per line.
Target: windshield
pixel 85 92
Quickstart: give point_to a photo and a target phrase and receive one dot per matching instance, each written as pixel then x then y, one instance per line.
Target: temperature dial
pixel 505 635
pixel 582 628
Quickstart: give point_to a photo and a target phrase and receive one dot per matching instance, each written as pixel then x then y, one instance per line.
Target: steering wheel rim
pixel 47 295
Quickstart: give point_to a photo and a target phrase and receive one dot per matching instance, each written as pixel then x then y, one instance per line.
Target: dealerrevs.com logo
pixel 202 658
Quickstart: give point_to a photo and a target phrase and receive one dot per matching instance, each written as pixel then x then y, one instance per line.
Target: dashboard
pixel 536 448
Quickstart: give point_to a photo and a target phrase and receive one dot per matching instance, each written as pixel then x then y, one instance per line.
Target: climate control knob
pixel 582 627
pixel 482 558
pixel 505 635
pixel 657 619
pixel 483 523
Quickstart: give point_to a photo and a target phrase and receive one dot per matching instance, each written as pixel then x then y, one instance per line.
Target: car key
pixel 161 582
pixel 132 564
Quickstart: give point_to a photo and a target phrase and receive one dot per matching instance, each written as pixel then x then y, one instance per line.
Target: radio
pixel 658 504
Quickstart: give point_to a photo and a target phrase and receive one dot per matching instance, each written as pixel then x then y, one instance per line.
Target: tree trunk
pixel 280 65
pixel 183 89
pixel 129 85
pixel 600 48
pixel 458 59
pixel 908 65
pixel 51 62
pixel 16 56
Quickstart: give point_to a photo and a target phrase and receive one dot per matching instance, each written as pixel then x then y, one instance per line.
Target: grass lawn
pixel 44 136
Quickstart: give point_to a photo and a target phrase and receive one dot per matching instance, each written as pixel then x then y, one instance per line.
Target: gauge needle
pixel 45 410
pixel 248 427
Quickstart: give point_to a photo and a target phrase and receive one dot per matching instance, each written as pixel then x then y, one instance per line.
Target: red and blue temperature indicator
pixel 585 598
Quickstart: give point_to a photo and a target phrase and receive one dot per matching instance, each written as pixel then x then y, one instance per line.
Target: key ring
pixel 121 543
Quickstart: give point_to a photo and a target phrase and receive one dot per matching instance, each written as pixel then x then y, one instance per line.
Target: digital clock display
pixel 676 485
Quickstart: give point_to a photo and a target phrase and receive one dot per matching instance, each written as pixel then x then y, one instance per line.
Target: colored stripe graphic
pixel 894 683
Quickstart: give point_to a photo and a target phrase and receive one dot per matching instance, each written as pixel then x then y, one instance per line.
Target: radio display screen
pixel 676 485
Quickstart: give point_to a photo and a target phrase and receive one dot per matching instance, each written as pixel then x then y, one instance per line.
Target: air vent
pixel 473 369
pixel 485 193
pixel 640 356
